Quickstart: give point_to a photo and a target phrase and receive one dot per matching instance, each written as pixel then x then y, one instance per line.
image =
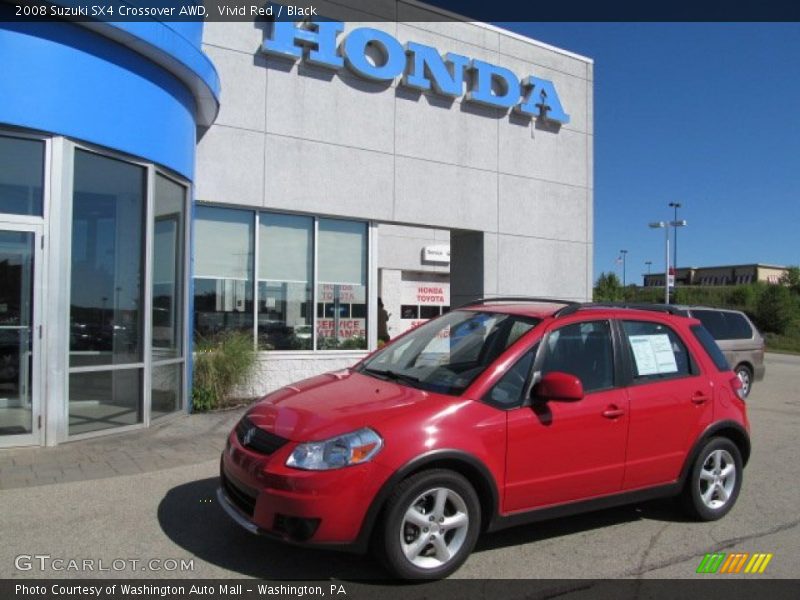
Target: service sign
pixel 436 254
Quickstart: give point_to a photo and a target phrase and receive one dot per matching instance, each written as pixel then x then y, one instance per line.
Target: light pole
pixel 676 206
pixel 648 263
pixel 623 252
pixel 665 225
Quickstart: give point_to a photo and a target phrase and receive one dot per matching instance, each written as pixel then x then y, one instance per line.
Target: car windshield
pixel 447 354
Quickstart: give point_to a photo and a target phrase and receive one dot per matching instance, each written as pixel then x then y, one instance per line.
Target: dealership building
pixel 164 183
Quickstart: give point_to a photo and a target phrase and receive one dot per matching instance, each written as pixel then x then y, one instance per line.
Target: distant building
pixel 725 275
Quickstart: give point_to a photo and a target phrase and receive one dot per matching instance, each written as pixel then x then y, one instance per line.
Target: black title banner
pixel 400 10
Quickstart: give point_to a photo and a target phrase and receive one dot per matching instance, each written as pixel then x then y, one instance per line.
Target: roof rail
pixel 571 306
pixel 521 299
pixel 667 308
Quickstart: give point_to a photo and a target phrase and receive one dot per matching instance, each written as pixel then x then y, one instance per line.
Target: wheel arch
pixel 728 429
pixel 467 465
pixel 748 364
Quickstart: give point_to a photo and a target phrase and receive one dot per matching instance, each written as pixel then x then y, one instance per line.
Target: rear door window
pixel 714 322
pixel 656 352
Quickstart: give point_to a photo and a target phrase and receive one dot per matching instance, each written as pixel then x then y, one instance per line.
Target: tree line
pixel 774 308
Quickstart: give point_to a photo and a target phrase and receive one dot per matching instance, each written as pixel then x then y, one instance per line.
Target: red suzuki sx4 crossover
pixel 503 412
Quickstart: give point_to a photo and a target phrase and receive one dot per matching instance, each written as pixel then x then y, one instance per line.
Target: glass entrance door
pixel 19 335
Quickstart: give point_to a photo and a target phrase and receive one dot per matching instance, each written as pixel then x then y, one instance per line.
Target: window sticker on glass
pixel 653 354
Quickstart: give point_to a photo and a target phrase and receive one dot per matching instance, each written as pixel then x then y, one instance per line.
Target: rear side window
pixel 738 326
pixel 656 352
pixel 710 346
pixel 723 325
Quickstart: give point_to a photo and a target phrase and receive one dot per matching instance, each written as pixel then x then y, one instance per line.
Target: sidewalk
pixel 181 440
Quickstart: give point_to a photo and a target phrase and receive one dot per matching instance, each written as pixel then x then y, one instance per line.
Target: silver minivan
pixel 737 337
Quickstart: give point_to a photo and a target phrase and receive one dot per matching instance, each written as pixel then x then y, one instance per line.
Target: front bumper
pixel 234 513
pixel 325 508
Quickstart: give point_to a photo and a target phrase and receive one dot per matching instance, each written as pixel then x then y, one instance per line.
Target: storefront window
pixel 223 282
pixel 168 269
pixel 107 284
pixel 166 389
pixel 104 399
pixel 21 176
pixel 285 272
pixel 107 259
pixel 287 252
pixel 342 285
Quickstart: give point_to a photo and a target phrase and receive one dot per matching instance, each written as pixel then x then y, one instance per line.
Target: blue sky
pixel 705 114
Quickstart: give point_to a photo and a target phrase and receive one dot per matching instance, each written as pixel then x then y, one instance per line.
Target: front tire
pixel 714 481
pixel 431 523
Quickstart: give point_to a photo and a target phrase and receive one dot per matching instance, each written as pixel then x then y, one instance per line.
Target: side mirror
pixel 558 386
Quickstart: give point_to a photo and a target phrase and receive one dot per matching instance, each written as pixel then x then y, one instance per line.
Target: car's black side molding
pixel 583 506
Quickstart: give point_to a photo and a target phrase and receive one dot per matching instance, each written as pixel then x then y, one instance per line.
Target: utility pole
pixel 676 206
pixel 624 257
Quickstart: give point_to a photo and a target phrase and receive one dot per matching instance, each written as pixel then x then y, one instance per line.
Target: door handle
pixel 613 412
pixel 700 398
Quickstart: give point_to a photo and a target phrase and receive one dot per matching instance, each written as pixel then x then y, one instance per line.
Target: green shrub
pixel 220 364
pixel 745 297
pixel 776 309
pixel 608 288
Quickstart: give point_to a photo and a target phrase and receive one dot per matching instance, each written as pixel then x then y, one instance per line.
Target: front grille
pixel 256 439
pixel 239 494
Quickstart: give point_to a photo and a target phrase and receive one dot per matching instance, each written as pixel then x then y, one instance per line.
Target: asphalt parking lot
pixel 171 513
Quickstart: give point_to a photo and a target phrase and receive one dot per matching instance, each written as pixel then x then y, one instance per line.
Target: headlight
pixel 342 451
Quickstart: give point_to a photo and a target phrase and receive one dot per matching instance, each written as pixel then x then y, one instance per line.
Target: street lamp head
pixel 675 204
pixel 681 223
pixel 658 225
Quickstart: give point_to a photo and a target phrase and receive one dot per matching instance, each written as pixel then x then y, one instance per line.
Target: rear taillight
pixel 738 388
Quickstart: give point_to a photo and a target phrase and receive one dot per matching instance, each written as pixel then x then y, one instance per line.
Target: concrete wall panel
pixel 244 86
pixel 443 195
pixel 230 166
pixel 327 179
pixel 536 208
pixel 313 103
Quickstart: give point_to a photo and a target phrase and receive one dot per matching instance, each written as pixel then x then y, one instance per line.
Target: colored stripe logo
pixel 735 562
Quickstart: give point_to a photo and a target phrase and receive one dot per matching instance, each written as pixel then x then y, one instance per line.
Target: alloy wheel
pixel 717 479
pixel 434 528
pixel 744 377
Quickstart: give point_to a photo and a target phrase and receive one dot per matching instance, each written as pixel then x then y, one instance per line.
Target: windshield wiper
pixel 389 374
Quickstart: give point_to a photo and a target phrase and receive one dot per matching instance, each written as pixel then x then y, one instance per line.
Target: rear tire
pixel 429 526
pixel 714 480
pixel 745 375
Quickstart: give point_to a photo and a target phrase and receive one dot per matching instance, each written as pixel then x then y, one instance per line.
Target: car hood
pixel 336 403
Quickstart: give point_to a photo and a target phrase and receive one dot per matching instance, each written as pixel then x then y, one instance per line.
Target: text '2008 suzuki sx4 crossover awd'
pixel 496 414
